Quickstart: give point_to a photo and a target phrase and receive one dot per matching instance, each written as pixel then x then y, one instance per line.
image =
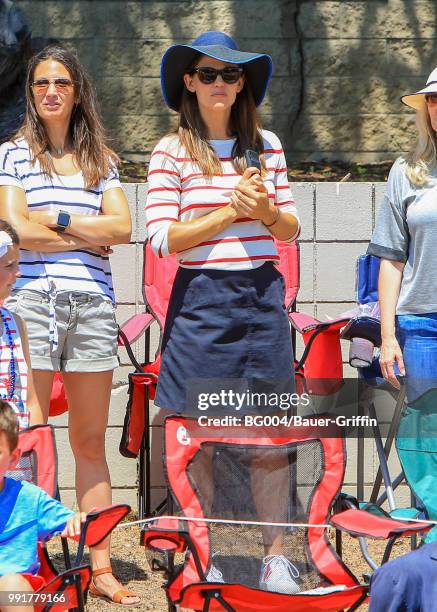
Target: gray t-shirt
pixel 406 231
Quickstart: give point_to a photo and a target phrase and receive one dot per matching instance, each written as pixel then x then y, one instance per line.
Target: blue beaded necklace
pixel 12 374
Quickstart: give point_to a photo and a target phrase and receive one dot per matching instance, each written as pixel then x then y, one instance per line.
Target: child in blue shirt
pixel 27 514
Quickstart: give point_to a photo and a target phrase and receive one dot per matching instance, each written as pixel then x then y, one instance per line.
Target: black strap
pixel 127 345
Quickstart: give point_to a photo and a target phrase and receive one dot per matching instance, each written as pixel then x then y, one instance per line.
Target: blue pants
pixel 417 336
pixel 417 436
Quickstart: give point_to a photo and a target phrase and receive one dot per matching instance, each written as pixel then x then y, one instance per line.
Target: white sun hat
pixel 416 99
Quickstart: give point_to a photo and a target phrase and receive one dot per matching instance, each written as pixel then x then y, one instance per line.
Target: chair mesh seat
pixel 26 469
pixel 238 483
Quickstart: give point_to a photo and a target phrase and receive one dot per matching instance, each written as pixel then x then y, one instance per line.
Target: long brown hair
pixel 244 124
pixel 87 134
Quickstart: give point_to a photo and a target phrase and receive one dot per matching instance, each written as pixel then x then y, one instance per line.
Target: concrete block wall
pixel 340 66
pixel 337 222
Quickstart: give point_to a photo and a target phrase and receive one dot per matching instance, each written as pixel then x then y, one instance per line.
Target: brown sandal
pixel 117 596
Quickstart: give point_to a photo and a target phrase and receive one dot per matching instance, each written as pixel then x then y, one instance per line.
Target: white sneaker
pixel 277 574
pixel 214 574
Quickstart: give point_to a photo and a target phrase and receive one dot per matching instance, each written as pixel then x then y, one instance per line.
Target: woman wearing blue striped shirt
pixel 59 188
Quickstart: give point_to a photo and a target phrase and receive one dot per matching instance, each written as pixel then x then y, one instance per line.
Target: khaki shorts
pixel 87 331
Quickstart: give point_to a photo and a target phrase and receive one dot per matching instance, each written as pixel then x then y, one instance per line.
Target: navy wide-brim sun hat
pixel 258 67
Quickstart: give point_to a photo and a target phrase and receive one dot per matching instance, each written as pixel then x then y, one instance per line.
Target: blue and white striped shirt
pixel 79 270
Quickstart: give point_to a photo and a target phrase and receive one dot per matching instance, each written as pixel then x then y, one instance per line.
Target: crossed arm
pixel 37 229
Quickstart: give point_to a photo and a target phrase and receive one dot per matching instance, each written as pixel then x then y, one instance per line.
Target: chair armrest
pixel 365 327
pixel 302 322
pixel 134 327
pixel 164 535
pixel 360 523
pixel 98 525
pixel 326 335
pixel 100 522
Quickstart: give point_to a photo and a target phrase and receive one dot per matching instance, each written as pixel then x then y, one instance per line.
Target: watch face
pixel 63 219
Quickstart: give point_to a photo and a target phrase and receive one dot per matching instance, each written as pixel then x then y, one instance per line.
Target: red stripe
pixel 214 205
pixel 183 159
pixel 199 174
pixel 164 189
pixel 230 259
pixel 285 202
pixel 22 374
pixel 159 171
pixel 148 206
pixel 160 219
pixel 278 151
pixel 242 239
pixel 8 360
pixel 197 187
pixel 277 170
pixel 282 187
pixel 166 154
pixel 227 174
pixel 3 346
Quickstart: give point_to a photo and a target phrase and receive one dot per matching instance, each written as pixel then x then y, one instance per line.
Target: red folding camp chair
pixel 321 364
pixel 221 525
pixel 38 465
pixel 158 277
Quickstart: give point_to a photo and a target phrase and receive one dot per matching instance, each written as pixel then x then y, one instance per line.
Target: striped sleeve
pixel 163 199
pixel 112 180
pixel 9 176
pixel 283 196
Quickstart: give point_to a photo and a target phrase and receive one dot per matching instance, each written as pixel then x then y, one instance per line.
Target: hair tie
pixel 5 243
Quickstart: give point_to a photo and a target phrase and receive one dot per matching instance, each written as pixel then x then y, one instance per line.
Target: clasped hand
pixel 250 197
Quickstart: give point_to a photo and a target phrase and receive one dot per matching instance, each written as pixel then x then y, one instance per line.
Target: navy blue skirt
pixel 227 327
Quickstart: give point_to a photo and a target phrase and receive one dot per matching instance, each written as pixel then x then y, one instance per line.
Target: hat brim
pixel 258 68
pixel 416 100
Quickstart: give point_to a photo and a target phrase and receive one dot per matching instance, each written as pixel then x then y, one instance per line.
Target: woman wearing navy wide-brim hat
pixel 226 319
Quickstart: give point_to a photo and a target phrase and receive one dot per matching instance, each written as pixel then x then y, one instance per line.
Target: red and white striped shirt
pixel 178 191
pixel 18 398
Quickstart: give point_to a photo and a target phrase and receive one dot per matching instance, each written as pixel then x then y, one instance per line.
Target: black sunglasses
pixel 208 75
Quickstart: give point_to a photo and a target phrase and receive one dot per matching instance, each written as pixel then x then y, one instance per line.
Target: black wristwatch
pixel 63 221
